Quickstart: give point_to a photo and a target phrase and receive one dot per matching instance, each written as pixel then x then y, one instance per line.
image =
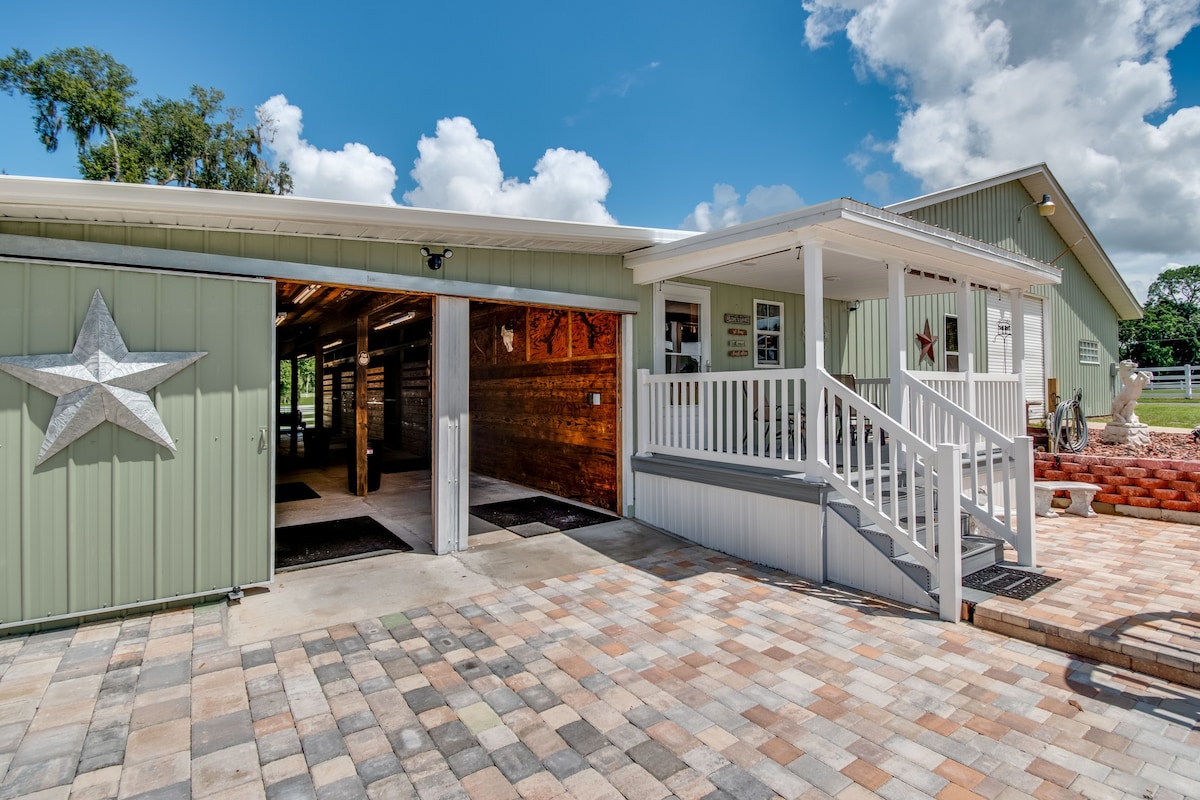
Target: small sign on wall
pixel 737 342
pixel 737 331
pixel 739 353
pixel 737 319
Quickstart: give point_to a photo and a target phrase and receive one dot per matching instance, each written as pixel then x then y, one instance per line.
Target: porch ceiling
pixel 857 240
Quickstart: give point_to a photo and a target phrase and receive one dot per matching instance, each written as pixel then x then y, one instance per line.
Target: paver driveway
pixel 687 674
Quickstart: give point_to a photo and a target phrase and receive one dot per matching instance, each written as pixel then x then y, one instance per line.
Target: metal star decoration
pixel 99 380
pixel 926 341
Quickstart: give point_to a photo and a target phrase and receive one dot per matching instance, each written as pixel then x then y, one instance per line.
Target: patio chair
pixel 772 428
pixel 848 381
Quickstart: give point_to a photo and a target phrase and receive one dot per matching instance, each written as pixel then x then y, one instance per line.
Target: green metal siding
pixel 1077 308
pixel 115 519
pixel 577 273
pixel 729 299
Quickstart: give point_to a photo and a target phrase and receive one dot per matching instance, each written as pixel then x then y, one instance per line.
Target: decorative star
pixel 99 380
pixel 926 341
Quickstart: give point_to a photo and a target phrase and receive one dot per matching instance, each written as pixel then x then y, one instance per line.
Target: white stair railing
pixel 997 471
pixel 758 418
pixel 896 486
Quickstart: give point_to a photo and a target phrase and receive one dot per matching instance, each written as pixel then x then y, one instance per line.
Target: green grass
pixel 1172 413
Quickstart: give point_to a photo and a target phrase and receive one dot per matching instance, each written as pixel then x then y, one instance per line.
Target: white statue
pixel 1132 384
pixel 1125 428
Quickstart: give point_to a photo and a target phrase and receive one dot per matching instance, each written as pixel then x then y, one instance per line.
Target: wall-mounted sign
pixel 737 331
pixel 737 319
pixel 737 342
pixel 739 353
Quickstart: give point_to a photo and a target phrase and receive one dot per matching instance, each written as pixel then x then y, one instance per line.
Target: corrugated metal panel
pixel 728 299
pixel 780 533
pixel 1078 310
pixel 853 561
pixel 116 520
pixel 580 273
pixel 867 344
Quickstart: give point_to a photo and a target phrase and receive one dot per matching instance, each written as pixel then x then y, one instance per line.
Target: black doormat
pixel 291 492
pixel 336 540
pixel 546 510
pixel 1014 583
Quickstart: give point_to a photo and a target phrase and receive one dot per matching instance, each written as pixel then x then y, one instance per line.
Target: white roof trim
pixel 849 226
pixel 55 199
pixel 1067 221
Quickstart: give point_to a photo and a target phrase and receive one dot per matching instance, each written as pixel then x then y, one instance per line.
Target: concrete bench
pixel 1081 497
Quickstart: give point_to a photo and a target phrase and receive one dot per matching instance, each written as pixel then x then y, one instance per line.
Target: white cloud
pixel 725 210
pixel 457 169
pixel 352 173
pixel 991 85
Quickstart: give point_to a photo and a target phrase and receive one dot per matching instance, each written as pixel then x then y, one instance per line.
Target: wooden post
pixel 361 430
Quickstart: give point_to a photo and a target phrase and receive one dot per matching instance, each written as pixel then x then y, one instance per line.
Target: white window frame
pixel 1089 352
pixel 683 293
pixel 755 332
pixel 946 351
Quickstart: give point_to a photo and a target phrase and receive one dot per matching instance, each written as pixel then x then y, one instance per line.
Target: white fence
pixel 1174 381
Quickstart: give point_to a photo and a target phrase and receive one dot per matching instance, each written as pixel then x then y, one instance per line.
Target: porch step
pixel 978 552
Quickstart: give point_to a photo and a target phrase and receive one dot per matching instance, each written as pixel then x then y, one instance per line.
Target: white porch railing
pixel 997 470
pixel 748 417
pixel 997 396
pixel 759 418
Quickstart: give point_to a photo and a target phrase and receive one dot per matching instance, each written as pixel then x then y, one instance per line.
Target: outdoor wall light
pixel 852 305
pixel 1045 207
pixel 434 260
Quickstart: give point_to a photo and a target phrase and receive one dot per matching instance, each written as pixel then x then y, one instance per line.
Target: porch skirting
pixel 766 516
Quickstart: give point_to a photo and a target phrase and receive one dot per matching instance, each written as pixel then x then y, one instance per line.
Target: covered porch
pixel 892 447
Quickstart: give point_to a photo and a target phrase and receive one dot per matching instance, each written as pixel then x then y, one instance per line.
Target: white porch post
pixel 451 435
pixel 897 339
pixel 1016 304
pixel 814 347
pixel 965 307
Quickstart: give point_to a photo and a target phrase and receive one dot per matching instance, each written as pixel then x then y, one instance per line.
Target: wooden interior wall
pixel 415 402
pixel 531 422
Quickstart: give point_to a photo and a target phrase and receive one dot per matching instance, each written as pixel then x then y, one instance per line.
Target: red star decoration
pixel 926 341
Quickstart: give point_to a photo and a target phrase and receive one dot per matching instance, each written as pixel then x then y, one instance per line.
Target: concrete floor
pixel 304 599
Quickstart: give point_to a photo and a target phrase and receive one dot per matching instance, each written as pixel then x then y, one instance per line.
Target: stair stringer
pixel 853 561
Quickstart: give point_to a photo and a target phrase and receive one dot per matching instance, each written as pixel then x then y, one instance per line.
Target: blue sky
pixel 670 100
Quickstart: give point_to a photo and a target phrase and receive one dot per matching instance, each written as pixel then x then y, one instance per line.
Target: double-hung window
pixel 768 333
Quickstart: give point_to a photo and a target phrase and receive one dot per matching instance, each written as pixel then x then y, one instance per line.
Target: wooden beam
pixel 360 408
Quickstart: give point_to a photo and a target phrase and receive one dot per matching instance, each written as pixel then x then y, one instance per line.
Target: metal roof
pixel 64 200
pixel 1067 221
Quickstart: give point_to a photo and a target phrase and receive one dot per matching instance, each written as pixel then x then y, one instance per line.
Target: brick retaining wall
pixel 1149 484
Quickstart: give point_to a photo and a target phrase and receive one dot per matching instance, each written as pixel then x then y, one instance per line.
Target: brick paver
pixel 689 675
pixel 1129 594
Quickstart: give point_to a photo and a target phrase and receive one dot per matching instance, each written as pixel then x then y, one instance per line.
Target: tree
pixel 1168 334
pixel 82 88
pixel 1181 285
pixel 194 142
